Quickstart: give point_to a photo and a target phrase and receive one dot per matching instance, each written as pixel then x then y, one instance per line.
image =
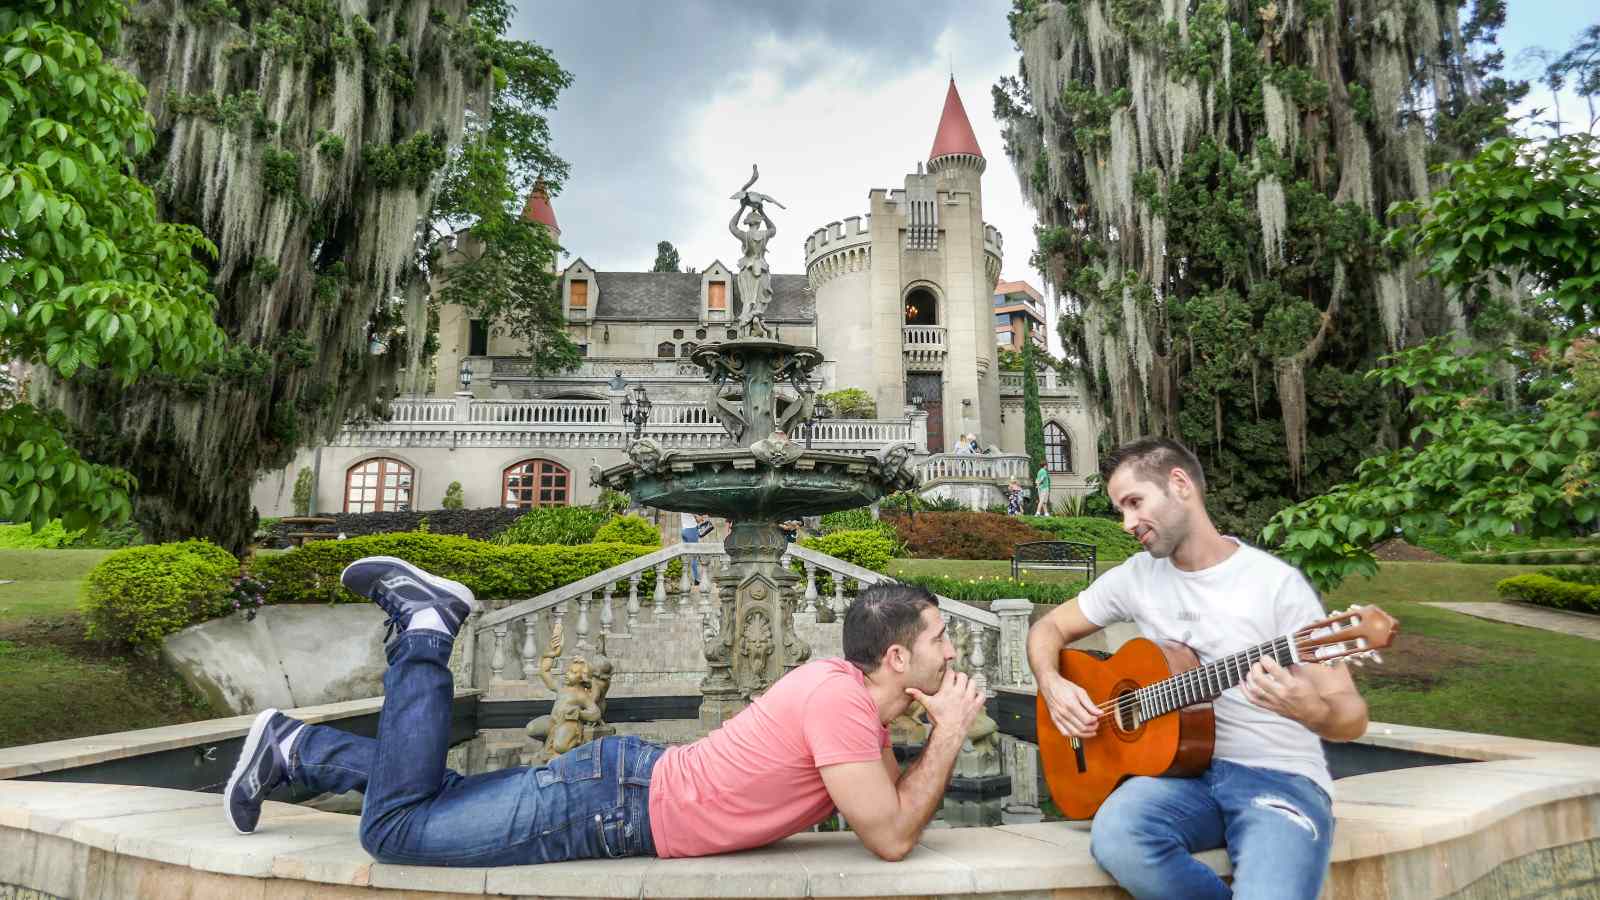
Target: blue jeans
pixel 692 536
pixel 1278 828
pixel 592 802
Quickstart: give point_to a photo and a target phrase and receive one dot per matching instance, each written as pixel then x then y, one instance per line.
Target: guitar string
pixel 1174 688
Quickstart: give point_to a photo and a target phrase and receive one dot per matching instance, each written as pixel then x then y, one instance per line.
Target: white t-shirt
pixel 689 521
pixel 1246 599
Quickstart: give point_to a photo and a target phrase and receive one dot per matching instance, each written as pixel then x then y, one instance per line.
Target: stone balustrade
pixel 508 643
pixel 1051 384
pixel 923 347
pixel 465 422
pixel 997 468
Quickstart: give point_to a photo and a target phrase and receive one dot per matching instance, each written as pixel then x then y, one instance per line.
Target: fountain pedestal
pixel 754 641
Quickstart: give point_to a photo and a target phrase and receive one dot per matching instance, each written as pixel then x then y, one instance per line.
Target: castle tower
pixel 906 295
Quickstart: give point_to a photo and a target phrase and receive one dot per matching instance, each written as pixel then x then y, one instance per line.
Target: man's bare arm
pixel 888 816
pixel 1070 708
pixel 1322 698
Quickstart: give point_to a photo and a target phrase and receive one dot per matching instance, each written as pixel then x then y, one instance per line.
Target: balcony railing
pixel 924 347
pixel 974 467
pixel 538 412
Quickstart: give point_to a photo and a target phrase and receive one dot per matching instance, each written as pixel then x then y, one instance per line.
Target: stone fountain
pixel 760 389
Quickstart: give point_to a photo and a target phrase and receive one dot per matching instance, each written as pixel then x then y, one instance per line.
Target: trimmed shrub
pixel 869 548
pixel 1575 574
pixel 963 535
pixel 850 403
pixel 554 525
pixel 848 520
pixel 138 596
pixel 1543 590
pixel 311 573
pixel 452 497
pixel 22 537
pixel 969 590
pixel 628 530
pixel 1111 542
pixel 1564 555
pixel 302 491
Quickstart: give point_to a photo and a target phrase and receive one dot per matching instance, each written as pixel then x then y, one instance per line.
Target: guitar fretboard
pixel 1203 683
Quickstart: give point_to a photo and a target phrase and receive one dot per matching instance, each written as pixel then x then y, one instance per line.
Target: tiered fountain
pixel 760 391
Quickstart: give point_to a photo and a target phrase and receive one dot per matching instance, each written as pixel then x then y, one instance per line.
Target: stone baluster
pixel 583 620
pixel 663 610
pixel 838 595
pixel 685 585
pixel 978 658
pixel 708 594
pixel 1012 653
pixel 633 602
pixel 497 662
pixel 606 618
pixel 530 647
pixel 810 603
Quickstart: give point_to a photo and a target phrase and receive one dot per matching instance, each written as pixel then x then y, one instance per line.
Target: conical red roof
pixel 538 208
pixel 955 131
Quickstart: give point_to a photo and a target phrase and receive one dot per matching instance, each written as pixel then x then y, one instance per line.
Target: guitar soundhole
pixel 1127 715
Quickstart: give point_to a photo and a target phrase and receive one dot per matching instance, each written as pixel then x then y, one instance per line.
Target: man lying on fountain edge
pixel 816 741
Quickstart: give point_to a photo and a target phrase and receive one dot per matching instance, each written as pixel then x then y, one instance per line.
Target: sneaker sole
pixel 251 742
pixel 465 594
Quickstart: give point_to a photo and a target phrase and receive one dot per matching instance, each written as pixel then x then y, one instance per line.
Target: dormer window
pixel 717 299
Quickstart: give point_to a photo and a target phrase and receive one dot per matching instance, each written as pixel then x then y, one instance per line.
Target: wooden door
pixel 930 387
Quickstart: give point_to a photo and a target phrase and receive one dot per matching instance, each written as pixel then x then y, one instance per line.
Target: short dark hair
pixel 881 616
pixel 1153 458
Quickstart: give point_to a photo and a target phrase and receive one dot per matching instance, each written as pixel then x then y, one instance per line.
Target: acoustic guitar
pixel 1155 701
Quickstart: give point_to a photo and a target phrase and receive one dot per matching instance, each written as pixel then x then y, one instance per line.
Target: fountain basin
pixel 738 483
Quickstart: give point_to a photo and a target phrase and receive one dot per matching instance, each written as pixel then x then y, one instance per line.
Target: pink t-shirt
pixel 755 779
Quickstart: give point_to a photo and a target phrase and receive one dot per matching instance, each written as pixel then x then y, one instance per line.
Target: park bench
pixel 1066 555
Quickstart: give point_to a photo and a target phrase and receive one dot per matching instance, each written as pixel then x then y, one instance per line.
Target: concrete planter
pixel 288 656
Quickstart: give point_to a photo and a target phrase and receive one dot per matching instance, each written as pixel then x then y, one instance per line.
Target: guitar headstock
pixel 1356 634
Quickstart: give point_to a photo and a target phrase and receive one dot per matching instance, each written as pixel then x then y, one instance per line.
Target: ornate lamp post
pixel 466 375
pixel 636 408
pixel 819 411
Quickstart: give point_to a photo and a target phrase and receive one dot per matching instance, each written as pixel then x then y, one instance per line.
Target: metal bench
pixel 1066 555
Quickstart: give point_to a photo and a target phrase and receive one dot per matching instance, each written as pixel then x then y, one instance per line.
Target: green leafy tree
pixel 850 403
pixel 90 277
pixel 1480 465
pixel 452 497
pixel 1578 69
pixel 1032 418
pixel 666 258
pixel 304 484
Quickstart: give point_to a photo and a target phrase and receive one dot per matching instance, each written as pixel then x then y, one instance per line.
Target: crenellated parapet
pixel 839 248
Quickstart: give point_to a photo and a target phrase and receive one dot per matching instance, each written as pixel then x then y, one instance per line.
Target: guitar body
pixel 1179 743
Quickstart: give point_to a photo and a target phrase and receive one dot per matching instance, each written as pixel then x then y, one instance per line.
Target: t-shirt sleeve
pixel 1105 600
pixel 841 724
pixel 1296 604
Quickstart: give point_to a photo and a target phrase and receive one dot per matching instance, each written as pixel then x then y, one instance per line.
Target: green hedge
pixel 54 536
pixel 1111 542
pixel 969 590
pixel 635 530
pixel 311 573
pixel 140 595
pixel 1579 555
pixel 1544 590
pixel 868 548
pixel 554 525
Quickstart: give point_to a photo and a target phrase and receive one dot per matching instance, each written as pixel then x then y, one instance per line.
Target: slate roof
pixel 675 296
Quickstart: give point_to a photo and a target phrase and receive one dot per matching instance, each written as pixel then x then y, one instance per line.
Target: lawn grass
pixel 47 582
pixel 976 568
pixel 58 685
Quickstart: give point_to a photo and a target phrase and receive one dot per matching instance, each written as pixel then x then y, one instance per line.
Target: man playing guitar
pixel 1266 795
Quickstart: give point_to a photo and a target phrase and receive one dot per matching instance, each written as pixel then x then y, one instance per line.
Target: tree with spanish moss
pixel 325 147
pixel 1212 182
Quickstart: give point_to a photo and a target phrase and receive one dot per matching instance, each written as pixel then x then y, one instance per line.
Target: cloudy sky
pixel 672 100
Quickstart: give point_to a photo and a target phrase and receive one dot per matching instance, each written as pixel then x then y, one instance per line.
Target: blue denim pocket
pixel 578 764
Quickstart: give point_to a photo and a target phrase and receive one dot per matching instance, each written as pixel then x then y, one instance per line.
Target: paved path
pixel 1576 624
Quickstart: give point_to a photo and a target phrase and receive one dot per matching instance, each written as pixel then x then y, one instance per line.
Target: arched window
pixel 1057 448
pixel 922 307
pixel 686 349
pixel 378 485
pixel 665 350
pixel 536 482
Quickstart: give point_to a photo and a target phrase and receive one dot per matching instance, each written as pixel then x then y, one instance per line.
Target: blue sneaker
pixel 402 590
pixel 261 768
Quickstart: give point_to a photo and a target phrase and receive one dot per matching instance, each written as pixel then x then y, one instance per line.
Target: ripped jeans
pixel 1277 826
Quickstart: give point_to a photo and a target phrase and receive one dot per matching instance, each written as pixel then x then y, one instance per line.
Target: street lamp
pixel 466 376
pixel 819 411
pixel 636 407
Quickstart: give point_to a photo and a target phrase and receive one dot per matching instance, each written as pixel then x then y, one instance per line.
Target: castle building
pixel 902 301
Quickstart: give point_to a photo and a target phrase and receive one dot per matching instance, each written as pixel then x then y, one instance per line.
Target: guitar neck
pixel 1205 683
